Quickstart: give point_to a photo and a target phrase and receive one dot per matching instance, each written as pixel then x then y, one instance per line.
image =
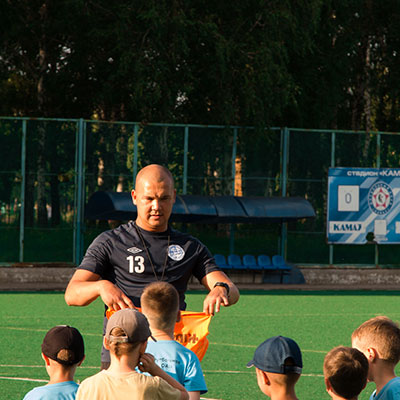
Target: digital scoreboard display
pixel 363 205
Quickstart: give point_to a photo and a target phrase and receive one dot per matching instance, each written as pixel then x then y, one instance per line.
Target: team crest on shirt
pixel 134 250
pixel 176 252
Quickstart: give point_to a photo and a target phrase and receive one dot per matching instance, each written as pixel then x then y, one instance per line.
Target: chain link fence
pixel 50 167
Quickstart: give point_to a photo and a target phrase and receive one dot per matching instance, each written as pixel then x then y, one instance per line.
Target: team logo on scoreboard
pixel 380 198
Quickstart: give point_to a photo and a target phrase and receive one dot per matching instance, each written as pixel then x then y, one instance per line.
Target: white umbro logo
pixel 134 250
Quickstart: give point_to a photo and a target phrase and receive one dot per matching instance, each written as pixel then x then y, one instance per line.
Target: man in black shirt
pixel 121 262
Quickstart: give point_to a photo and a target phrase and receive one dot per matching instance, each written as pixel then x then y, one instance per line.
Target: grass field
pixel 318 321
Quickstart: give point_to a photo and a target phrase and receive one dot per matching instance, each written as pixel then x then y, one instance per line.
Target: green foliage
pixel 306 64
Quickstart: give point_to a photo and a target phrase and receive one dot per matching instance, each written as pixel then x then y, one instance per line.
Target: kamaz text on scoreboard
pixel 361 202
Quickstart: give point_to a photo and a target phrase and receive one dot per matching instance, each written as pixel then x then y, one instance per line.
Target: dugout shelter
pixel 205 209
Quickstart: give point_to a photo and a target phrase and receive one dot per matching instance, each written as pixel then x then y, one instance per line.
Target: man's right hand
pixel 85 287
pixel 113 297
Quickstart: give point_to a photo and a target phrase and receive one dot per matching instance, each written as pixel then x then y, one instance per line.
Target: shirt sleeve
pixel 80 394
pixel 97 255
pixel 166 391
pixel 29 395
pixel 194 378
pixel 205 262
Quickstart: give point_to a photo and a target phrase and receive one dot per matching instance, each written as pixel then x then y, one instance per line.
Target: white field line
pixel 42 330
pixel 255 346
pixel 40 366
pixel 23 379
pixel 208 398
pixel 318 315
pixel 251 372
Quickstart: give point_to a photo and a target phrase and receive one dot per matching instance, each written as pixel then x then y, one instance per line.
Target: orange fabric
pixel 191 331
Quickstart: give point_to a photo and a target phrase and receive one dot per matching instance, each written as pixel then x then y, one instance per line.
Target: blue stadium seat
pixel 235 262
pixel 279 262
pixel 265 262
pixel 221 261
pixel 249 261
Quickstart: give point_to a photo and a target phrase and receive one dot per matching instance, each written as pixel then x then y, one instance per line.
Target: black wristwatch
pixel 223 284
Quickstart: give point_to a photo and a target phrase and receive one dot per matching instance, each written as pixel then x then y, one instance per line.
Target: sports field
pixel 318 321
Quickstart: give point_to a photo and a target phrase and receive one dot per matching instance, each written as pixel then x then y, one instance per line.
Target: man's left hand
pixel 218 295
pixel 215 299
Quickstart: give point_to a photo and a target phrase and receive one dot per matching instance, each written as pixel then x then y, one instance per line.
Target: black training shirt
pixel 119 256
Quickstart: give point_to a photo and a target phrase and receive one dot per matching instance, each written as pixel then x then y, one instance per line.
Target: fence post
pixel 378 165
pixel 333 147
pixel 23 181
pixel 185 160
pixel 79 190
pixel 232 226
pixel 284 178
pixel 135 153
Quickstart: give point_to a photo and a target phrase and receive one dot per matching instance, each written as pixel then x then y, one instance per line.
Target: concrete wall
pixel 35 278
pixel 353 277
pixel 56 277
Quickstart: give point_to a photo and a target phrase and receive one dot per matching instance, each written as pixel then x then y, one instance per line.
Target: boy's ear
pixel 80 362
pixel 46 359
pixel 142 348
pixel 264 376
pixel 178 316
pixel 327 385
pixel 372 354
pixel 105 343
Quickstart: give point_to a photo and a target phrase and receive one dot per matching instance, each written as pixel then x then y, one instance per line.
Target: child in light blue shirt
pixel 160 304
pixel 62 351
pixel 379 340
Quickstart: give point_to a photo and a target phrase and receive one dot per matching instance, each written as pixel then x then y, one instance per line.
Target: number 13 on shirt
pixel 136 264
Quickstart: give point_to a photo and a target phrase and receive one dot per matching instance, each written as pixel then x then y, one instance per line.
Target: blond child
pixel 62 351
pixel 278 365
pixel 345 373
pixel 379 340
pixel 126 338
pixel 160 304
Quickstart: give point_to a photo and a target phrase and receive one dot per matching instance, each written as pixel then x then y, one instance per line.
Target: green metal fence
pixel 50 167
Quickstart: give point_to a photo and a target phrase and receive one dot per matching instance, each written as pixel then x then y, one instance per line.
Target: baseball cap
pixel 271 355
pixel 132 322
pixel 64 337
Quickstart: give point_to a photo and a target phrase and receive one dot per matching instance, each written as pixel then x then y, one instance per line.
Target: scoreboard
pixel 363 202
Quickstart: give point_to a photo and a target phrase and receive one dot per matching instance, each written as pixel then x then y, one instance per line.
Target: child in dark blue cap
pixel 278 365
pixel 63 351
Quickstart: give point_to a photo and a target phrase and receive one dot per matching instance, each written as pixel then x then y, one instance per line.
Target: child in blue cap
pixel 278 365
pixel 63 351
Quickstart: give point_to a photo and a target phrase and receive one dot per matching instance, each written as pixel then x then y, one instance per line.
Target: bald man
pixel 121 262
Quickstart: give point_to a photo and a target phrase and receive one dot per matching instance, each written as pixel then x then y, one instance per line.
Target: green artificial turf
pixel 318 321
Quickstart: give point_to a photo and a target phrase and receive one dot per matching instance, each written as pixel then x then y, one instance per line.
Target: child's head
pixel 379 337
pixel 278 362
pixel 126 331
pixel 345 372
pixel 160 304
pixel 64 344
